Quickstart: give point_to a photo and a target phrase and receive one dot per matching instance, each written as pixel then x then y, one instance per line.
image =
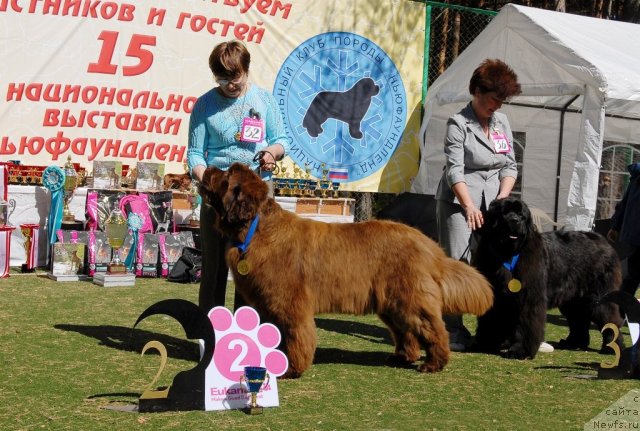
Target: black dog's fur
pixel 348 106
pixel 570 270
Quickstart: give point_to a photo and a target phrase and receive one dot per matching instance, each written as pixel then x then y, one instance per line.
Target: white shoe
pixel 545 347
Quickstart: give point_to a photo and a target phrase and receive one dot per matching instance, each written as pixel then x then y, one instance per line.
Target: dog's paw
pixel 399 361
pixel 291 375
pixel 431 367
pixel 242 341
pixel 516 351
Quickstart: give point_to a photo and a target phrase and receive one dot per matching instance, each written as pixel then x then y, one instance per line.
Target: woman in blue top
pixel 233 122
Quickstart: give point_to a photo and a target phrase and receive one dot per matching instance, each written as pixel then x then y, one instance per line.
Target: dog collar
pixel 512 264
pixel 242 246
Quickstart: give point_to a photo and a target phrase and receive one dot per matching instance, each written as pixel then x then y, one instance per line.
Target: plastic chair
pixel 541 219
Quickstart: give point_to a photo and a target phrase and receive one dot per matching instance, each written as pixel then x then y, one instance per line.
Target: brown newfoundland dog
pixel 532 272
pixel 294 268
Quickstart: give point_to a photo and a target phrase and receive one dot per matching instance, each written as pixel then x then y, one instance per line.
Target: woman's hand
pixel 270 155
pixel 474 217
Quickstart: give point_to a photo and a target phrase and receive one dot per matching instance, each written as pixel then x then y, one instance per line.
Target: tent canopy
pixel 576 74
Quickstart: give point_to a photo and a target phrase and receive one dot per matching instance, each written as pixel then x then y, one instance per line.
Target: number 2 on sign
pixel 135 50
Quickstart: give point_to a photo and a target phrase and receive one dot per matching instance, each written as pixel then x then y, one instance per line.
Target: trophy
pixel 4 212
pixel 193 199
pixel 255 379
pixel 70 184
pixel 30 235
pixel 325 183
pixel 284 182
pixel 336 188
pixel 116 229
pixel 278 181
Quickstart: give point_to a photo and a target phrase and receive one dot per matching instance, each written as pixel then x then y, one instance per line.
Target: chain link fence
pixel 449 30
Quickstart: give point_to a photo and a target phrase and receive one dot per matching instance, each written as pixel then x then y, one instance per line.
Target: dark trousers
pixel 632 279
pixel 213 282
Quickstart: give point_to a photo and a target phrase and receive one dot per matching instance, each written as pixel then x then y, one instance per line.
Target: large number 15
pixel 135 50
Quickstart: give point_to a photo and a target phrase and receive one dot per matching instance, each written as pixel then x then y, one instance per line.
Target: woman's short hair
pixel 495 76
pixel 229 59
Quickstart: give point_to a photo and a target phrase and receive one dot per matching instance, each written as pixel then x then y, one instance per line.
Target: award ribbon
pixel 514 284
pixel 53 179
pixel 135 222
pixel 243 264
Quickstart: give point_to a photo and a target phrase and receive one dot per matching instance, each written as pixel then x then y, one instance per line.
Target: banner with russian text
pixel 116 80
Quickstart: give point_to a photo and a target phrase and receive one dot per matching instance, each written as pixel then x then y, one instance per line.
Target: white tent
pixel 578 75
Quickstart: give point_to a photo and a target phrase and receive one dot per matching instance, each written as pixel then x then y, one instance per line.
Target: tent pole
pixel 425 63
pixel 559 164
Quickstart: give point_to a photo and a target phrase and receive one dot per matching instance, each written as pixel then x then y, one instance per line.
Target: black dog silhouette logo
pixel 348 106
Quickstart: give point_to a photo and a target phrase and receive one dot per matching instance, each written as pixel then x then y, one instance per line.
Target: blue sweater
pixel 216 119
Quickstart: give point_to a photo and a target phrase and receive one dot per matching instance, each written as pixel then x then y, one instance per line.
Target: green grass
pixel 66 359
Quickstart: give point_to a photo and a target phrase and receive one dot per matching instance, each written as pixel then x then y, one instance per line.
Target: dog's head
pixel 366 88
pixel 236 194
pixel 507 225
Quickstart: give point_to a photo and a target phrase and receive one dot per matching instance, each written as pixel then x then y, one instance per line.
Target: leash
pixel 275 169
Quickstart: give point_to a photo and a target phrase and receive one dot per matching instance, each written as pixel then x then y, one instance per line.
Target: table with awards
pixel 330 210
pixel 29 204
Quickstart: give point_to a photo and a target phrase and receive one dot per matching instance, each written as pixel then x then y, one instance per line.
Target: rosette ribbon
pixel 53 179
pixel 135 222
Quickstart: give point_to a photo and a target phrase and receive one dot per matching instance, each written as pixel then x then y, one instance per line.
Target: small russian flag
pixel 339 174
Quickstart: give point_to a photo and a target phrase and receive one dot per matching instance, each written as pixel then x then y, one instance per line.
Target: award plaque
pixel 225 378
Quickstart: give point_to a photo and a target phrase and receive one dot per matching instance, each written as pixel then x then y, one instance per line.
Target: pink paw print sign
pixel 242 341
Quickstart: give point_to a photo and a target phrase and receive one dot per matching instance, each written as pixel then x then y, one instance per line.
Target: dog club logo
pixel 344 106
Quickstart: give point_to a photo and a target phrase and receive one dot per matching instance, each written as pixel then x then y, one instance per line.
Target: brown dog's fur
pixel 300 267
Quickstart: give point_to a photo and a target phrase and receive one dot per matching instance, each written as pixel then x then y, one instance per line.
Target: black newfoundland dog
pixel 532 272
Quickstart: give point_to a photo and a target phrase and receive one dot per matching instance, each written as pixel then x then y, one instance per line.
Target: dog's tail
pixel 464 289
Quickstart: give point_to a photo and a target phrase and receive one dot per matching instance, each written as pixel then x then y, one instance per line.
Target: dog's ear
pixel 246 192
pixel 213 185
pixel 527 217
pixel 526 213
pixel 492 215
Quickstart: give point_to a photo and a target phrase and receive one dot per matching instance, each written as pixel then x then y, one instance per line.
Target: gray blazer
pixel 471 158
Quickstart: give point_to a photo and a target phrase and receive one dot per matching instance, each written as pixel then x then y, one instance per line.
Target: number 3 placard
pixel 625 362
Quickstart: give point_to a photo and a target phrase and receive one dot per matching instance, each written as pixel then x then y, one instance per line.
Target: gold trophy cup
pixel 116 229
pixel 193 199
pixel 256 378
pixel 70 185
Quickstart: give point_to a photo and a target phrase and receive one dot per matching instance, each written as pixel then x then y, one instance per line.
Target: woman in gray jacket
pixel 480 167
